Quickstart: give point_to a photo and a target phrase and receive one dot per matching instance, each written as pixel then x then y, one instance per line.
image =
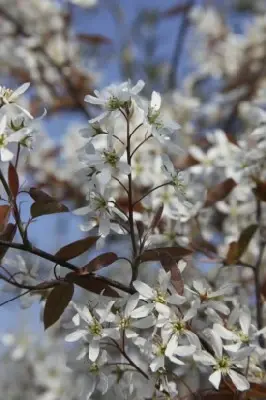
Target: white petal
pixel 204 357
pixel 3 125
pixel 93 100
pixel 19 91
pixel 82 211
pixel 215 379
pixel 216 344
pixel 162 309
pixel 157 362
pixel 176 299
pixel 239 381
pixel 143 289
pixel 142 311
pixel 224 333
pixel 94 350
pixel 155 101
pixel 183 351
pixel 6 155
pixel 131 304
pixel 245 321
pixel 138 87
pixel 74 336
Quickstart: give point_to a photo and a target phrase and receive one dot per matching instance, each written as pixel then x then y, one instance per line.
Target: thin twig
pixel 15 298
pixel 65 264
pixel 150 191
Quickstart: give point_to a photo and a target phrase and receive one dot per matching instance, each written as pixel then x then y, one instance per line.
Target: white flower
pixel 161 349
pixel 113 97
pixel 107 162
pixel 102 207
pixel 8 96
pixel 206 297
pixel 223 364
pixel 93 331
pixel 130 318
pixel 245 335
pixel 159 297
pixel 179 179
pixel 158 126
pixel 174 327
pixel 95 375
pixel 5 138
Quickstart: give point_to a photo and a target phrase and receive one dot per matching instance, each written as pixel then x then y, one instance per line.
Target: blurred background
pixel 206 57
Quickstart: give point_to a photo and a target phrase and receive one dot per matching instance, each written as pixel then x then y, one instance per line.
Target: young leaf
pixel 157 217
pixel 77 248
pixel 176 279
pixel 92 284
pixel 40 195
pixel 101 261
pixel 260 190
pixel 219 192
pixel 57 301
pixel 40 208
pixel 7 235
pixel 13 180
pixel 4 215
pixel 158 254
pixel 237 249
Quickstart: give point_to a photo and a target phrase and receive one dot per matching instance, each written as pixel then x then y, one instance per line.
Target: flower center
pixel 160 297
pixel 114 103
pixel 95 328
pixel 125 323
pixel 223 364
pixel 3 140
pixel 179 327
pixel 111 158
pixel 94 369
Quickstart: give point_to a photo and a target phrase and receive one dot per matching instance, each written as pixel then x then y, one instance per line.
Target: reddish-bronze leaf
pixel 7 235
pixel 94 39
pixel 185 162
pixel 157 217
pixel 40 196
pixel 256 391
pixel 77 248
pixel 176 279
pixel 13 180
pixel 237 249
pixel 101 261
pixel 43 208
pixel 260 190
pixel 4 216
pixel 158 254
pixel 92 284
pixel 219 192
pixel 56 302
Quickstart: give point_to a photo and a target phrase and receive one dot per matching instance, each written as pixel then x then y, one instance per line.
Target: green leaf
pixel 57 300
pixel 77 248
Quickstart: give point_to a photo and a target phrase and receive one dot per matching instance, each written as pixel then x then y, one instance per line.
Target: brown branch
pixel 65 264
